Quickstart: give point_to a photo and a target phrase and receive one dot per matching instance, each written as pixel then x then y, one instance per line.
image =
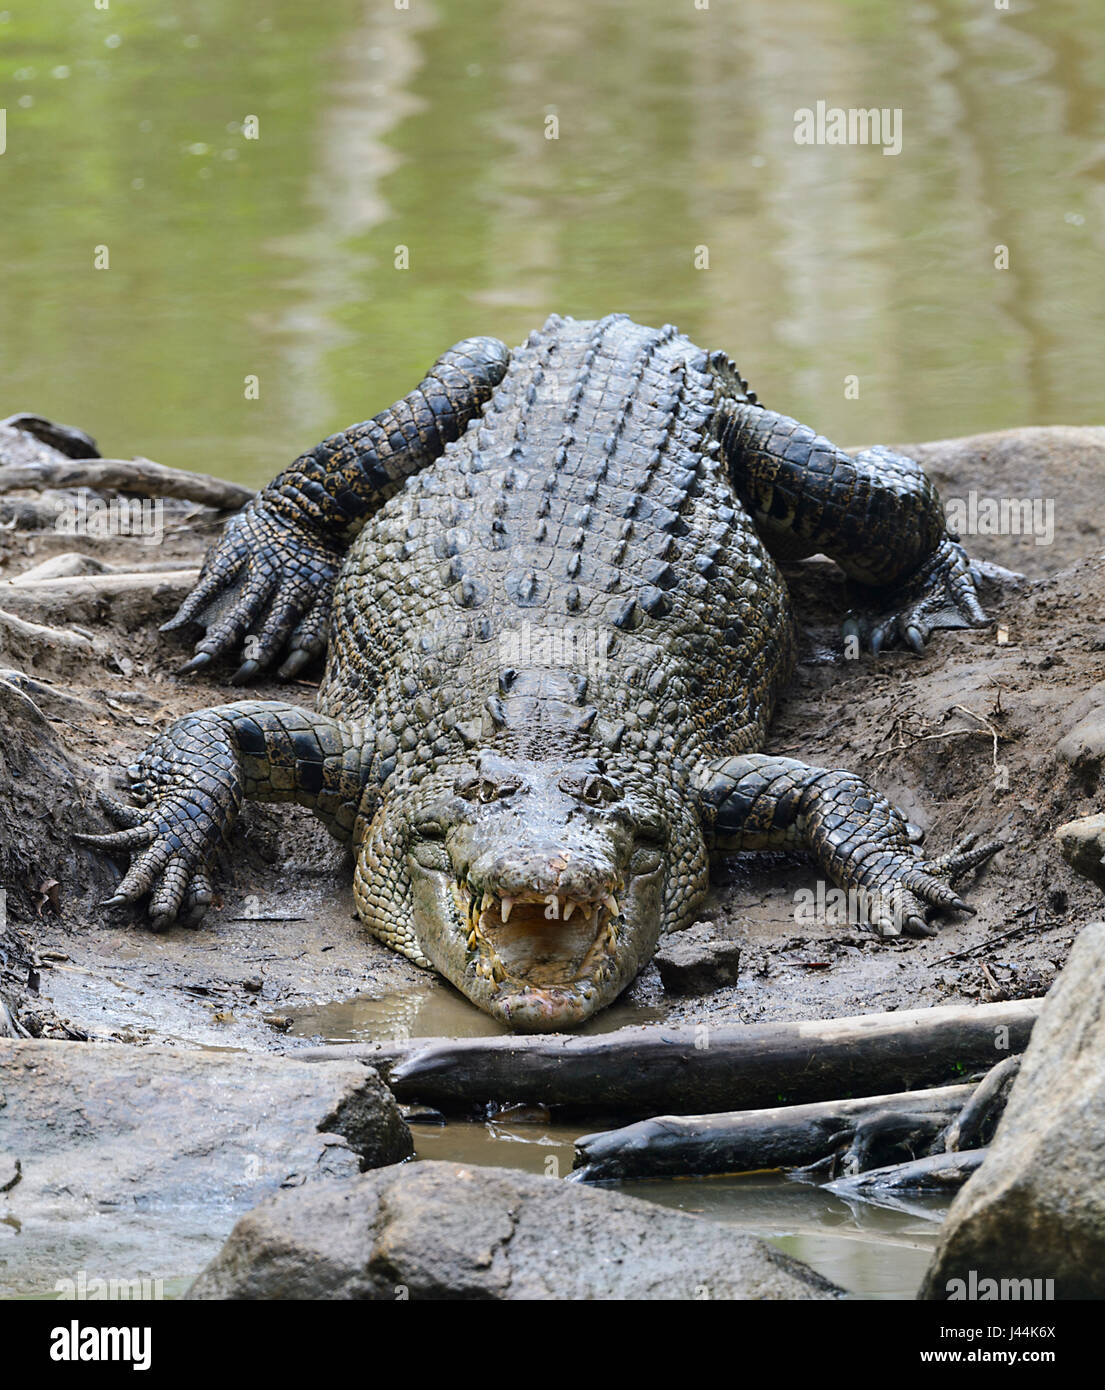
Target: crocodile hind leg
pixel 193 779
pixel 271 574
pixel 876 513
pixel 858 839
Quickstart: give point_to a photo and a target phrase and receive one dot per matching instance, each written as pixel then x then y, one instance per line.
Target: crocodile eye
pixel 591 788
pixel 598 789
pixel 476 788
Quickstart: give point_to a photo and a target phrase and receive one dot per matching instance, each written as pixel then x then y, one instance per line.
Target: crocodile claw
pixel 269 576
pixel 195 796
pixel 942 594
pixel 197 663
pixel 245 673
pixel 294 664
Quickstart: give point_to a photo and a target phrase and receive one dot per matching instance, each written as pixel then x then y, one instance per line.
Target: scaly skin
pixel 553 658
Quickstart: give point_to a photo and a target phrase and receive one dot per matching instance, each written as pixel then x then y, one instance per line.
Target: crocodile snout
pixel 543 874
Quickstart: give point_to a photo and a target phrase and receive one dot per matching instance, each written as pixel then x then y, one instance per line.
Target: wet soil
pixel 962 738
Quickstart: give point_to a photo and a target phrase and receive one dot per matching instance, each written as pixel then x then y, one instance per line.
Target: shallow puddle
pixel 430 1010
pixel 872 1251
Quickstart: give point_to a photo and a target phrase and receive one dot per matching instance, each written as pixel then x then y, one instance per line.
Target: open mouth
pixel 535 942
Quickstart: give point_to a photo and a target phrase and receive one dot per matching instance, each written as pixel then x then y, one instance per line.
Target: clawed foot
pixel 190 781
pixel 910 888
pixel 167 866
pixel 269 574
pixel 941 594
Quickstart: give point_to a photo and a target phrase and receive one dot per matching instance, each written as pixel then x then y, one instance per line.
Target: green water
pixel 273 257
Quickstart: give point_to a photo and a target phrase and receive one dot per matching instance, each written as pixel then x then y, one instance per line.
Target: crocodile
pixel 547 585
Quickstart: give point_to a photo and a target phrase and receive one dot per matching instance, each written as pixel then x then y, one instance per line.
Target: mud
pixel 963 738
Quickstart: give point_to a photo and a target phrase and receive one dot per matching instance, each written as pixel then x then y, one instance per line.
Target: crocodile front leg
pixel 273 569
pixel 876 513
pixel 853 833
pixel 194 777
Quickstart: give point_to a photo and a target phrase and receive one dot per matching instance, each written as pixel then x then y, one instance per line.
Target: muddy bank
pixel 964 738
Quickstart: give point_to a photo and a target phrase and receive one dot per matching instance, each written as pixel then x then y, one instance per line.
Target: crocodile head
pixel 538 884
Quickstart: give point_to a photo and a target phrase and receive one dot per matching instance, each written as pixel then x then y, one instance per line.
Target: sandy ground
pixel 963 738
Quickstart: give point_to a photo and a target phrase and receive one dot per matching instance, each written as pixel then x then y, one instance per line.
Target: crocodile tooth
pixel 472 939
pixel 569 908
pixel 610 902
pixel 508 903
pixel 488 902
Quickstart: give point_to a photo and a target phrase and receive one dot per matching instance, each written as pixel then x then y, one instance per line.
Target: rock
pixel 698 960
pixel 1057 465
pixel 1036 1207
pixel 1082 845
pixel 442 1230
pixel 172 1145
pixel 1084 746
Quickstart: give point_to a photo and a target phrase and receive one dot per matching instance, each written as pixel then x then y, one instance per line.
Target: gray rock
pixel 148 1155
pixel 1084 746
pixel 698 960
pixel 445 1231
pixel 1036 1207
pixel 1082 845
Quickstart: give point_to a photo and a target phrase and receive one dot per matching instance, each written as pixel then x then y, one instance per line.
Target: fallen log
pixel 86 596
pixel 946 1172
pixel 64 566
pixel 974 1127
pixel 67 440
pixel 745 1141
pixel 645 1071
pixel 139 476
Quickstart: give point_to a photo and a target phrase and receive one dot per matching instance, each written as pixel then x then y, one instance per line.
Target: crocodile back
pixel 574 570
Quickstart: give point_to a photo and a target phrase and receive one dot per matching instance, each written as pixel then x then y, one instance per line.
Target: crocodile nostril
pixel 547 873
